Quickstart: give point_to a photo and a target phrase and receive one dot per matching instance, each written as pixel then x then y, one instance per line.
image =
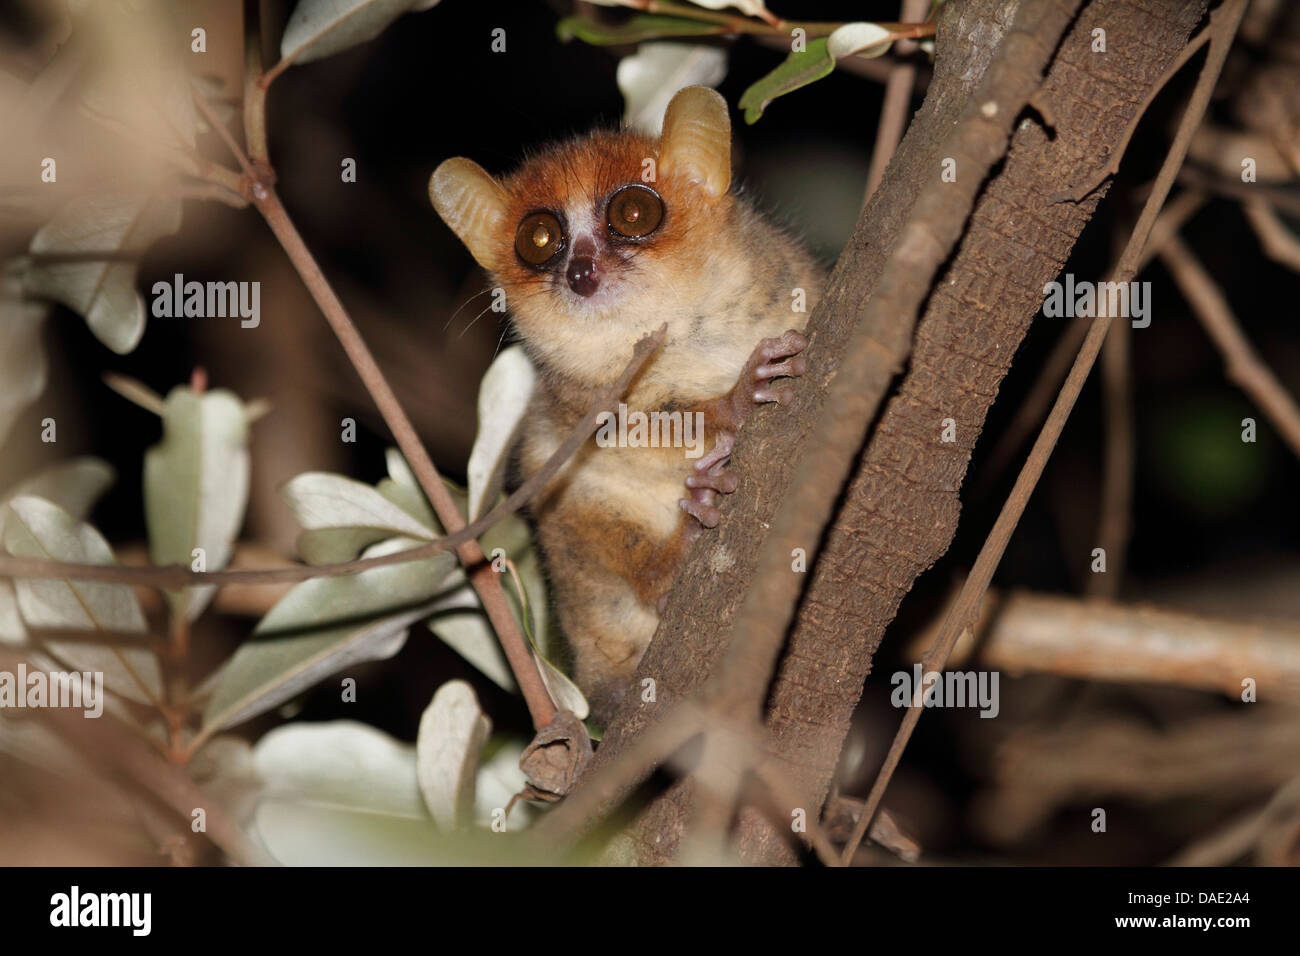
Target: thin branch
pixel 176 576
pixel 1116 521
pixel 103 742
pixel 1278 242
pixel 1031 411
pixel 1097 640
pixel 254 87
pixel 898 101
pixel 1282 199
pixel 1244 366
pixel 1221 30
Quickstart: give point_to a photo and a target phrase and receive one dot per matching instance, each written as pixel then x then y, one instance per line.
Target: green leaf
pixel 36 528
pixel 321 28
pixel 322 626
pixel 102 291
pixel 799 69
pixel 815 63
pixel 638 27
pixel 23 366
pixel 196 486
pixel 453 730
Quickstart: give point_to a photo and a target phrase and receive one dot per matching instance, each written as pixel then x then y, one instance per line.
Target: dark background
pixel 1214 521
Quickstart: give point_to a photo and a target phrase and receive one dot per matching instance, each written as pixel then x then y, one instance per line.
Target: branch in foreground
pixel 177 576
pixel 103 742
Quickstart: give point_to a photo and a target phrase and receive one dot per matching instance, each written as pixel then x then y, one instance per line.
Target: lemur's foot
pixel 773 358
pixel 761 369
pixel 709 480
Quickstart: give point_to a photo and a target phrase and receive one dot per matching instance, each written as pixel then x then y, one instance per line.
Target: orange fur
pixel 722 277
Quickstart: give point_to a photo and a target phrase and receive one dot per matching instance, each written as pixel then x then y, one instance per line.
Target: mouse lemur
pixel 597 241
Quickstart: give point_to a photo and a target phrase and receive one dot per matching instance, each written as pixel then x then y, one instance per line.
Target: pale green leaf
pixel 863 39
pixel 324 501
pixel 453 730
pixel 36 528
pixel 503 397
pixel 102 291
pixel 403 490
pixel 341 764
pixel 12 631
pixel 74 485
pixel 321 28
pixel 322 626
pixel 468 633
pixel 196 485
pixel 563 691
pixel 23 366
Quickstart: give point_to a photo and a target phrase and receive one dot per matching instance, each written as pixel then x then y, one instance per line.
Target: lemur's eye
pixel 540 237
pixel 635 212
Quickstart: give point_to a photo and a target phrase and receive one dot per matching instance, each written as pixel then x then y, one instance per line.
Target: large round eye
pixel 540 237
pixel 635 212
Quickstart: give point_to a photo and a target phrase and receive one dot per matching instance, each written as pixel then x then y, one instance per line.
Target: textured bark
pixel 902 507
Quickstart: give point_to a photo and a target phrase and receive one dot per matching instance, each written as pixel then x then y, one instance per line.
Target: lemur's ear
pixel 696 139
pixel 473 204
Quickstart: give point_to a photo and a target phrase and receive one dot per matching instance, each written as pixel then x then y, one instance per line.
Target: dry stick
pixel 1221 30
pixel 898 98
pixel 255 87
pixel 1281 199
pixel 102 740
pixel 1032 410
pixel 1115 525
pixel 484 580
pixel 1107 641
pixel 1244 366
pixel 175 576
pixel 1278 242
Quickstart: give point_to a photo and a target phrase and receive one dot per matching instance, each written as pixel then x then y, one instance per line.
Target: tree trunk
pixel 901 509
